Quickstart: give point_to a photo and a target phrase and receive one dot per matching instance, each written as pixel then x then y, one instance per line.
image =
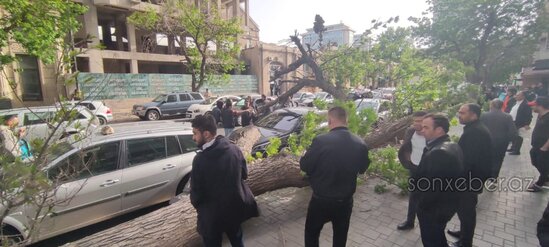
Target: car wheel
pixel 153 115
pixel 102 120
pixel 183 188
pixel 10 236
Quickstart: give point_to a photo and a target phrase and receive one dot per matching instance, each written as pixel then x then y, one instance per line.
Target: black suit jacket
pixel 476 144
pixel 218 192
pixel 440 166
pixel 524 115
pixel 333 162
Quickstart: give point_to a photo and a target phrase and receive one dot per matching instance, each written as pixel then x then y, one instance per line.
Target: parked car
pixel 37 121
pixel 280 123
pixel 103 176
pixel 304 99
pixel 378 105
pixel 97 107
pixel 208 105
pixel 324 96
pixel 165 105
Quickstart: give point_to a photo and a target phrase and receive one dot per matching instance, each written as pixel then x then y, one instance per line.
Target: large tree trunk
pixel 175 225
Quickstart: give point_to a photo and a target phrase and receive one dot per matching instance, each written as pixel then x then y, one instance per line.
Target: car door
pixel 151 165
pixel 89 190
pixel 185 101
pixel 169 107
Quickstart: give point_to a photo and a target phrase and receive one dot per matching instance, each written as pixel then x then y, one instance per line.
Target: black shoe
pixel 534 188
pixel 406 226
pixel 514 153
pixel 456 244
pixel 510 150
pixel 455 234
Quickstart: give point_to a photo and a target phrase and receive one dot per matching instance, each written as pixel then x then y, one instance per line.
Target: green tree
pixel 495 38
pixel 207 41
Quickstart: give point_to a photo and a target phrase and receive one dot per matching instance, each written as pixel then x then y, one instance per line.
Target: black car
pixel 280 123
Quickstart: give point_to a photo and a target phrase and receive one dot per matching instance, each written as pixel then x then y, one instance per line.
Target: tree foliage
pixel 495 38
pixel 208 42
pixel 40 27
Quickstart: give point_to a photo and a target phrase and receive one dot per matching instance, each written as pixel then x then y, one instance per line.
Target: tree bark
pixel 175 225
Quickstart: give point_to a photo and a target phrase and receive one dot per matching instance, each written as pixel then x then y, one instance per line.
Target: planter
pixel 5 103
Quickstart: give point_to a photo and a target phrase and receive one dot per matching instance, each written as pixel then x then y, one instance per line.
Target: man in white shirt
pixel 522 116
pixel 409 155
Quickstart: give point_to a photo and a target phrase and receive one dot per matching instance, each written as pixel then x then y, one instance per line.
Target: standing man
pixel 502 130
pixel 509 100
pixel 522 115
pixel 409 155
pixel 539 153
pixel 332 164
pixel 441 161
pixel 218 192
pixel 9 139
pixel 216 112
pixel 476 144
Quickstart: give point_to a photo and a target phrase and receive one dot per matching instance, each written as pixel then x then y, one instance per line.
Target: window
pixel 197 96
pixel 187 143
pixel 37 117
pixel 30 78
pixel 84 164
pixel 146 150
pixel 172 146
pixel 172 98
pixel 87 105
pixel 184 97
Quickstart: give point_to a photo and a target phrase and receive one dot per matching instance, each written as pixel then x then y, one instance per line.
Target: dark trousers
pixel 322 211
pixel 432 229
pixel 412 205
pixel 234 235
pixel 516 144
pixel 499 155
pixel 540 160
pixel 467 214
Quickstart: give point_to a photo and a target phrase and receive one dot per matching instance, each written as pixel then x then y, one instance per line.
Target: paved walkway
pixel 505 217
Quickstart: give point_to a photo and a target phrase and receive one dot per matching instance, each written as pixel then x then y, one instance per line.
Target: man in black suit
pixel 218 192
pixel 502 130
pixel 436 181
pixel 476 144
pixel 332 164
pixel 539 154
pixel 522 115
pixel 409 156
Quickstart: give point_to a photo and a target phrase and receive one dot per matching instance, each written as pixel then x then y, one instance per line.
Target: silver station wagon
pixel 103 176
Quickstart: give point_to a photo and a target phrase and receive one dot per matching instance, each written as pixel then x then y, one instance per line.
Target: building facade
pixel 338 35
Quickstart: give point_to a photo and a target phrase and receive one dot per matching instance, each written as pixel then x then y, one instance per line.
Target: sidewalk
pixel 504 218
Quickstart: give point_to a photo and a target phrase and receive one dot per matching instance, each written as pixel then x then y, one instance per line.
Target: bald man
pixel 332 164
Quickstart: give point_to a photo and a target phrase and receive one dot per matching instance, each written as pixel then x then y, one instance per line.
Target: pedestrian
pixel 247 114
pixel 502 130
pixel 332 164
pixel 476 144
pixel 9 138
pixel 509 100
pixel 227 117
pixel 543 228
pixel 219 193
pixel 539 154
pixel 216 112
pixel 207 94
pixel 522 115
pixel 409 155
pixel 435 181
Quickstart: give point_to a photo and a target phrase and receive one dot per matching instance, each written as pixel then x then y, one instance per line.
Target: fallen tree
pixel 175 225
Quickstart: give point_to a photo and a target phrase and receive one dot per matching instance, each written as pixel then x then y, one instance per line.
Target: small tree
pixel 207 41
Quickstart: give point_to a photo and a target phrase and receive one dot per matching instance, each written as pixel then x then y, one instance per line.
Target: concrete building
pixel 338 34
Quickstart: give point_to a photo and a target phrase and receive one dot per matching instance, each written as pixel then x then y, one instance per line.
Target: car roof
pixel 35 108
pixel 297 110
pixel 140 129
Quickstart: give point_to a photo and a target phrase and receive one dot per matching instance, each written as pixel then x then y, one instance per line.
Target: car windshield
pixel 281 121
pixel 321 95
pixel 297 95
pixel 309 96
pixel 160 98
pixel 55 151
pixel 361 105
pixel 209 101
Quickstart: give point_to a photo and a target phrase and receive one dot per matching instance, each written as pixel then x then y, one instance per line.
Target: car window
pixel 197 96
pixel 145 150
pixel 87 105
pixel 171 98
pixel 91 161
pixel 37 117
pixel 187 143
pixel 184 97
pixel 279 121
pixel 172 146
pixel 159 98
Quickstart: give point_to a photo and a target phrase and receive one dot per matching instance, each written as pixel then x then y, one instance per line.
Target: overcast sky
pixel 277 19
